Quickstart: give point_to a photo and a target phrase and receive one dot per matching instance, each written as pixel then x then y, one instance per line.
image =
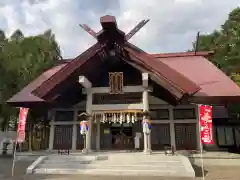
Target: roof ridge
pixel 160 55
pixel 182 54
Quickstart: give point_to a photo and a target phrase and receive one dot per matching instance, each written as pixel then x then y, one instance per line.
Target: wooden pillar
pixel 74 133
pixel 88 85
pixel 172 128
pixel 98 138
pixel 51 115
pixel 198 128
pixel 89 111
pixel 147 137
pixel 51 136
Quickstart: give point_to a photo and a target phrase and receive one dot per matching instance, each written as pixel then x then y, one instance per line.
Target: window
pixel 225 136
pixel 179 114
pixel 159 114
pixel 64 116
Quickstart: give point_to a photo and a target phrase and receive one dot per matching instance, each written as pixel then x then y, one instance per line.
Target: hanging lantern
pixel 114 118
pixel 128 118
pixel 117 117
pixel 121 119
pixel 133 118
pixel 146 123
pixel 103 118
pixel 106 118
pixel 84 127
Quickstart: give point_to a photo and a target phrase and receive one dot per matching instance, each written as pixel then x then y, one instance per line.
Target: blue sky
pixel 173 23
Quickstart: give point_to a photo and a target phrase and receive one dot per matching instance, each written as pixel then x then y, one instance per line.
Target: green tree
pixel 226 45
pixel 17 35
pixel 22 59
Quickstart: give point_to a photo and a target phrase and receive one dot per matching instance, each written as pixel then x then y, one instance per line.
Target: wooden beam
pixel 85 82
pixel 136 29
pixel 110 33
pixel 108 22
pixel 126 89
pixel 89 30
pixel 145 80
pixel 108 107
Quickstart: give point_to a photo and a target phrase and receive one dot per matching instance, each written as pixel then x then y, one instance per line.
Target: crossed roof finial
pixel 111 31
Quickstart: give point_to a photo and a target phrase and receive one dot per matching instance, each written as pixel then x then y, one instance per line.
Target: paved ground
pixel 212 173
pixel 6 168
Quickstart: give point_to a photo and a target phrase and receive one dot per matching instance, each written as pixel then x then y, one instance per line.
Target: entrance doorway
pixel 122 136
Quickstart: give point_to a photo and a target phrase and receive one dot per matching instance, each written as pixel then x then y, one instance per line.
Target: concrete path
pixel 213 158
pixel 117 164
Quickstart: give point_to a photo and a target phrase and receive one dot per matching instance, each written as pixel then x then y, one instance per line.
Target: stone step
pixel 63 157
pixel 99 161
pixel 67 162
pixel 139 157
pixel 146 159
pixel 75 159
pixel 117 172
pixel 138 162
pixel 113 166
pixel 117 164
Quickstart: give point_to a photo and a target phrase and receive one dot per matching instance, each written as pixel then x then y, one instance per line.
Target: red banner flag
pixel 22 124
pixel 205 114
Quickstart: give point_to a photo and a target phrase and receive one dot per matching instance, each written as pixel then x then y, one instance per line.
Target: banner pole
pixel 201 145
pixel 14 154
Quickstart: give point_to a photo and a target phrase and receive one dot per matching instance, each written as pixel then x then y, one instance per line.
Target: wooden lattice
pixel 116 82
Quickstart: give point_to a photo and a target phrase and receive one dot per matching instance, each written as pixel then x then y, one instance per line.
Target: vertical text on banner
pixel 22 125
pixel 205 114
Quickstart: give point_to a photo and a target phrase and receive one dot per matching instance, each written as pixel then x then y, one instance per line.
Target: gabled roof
pixel 111 38
pixel 209 81
pixel 185 74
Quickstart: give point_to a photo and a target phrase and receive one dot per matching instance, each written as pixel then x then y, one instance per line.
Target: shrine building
pixel 114 84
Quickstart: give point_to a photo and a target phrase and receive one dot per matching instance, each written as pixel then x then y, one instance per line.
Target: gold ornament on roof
pixel 116 82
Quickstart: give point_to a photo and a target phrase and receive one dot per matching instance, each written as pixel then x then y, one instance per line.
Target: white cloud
pixel 173 23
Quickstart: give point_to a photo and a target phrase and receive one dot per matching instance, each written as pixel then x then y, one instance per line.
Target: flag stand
pixel 201 151
pixel 20 131
pixel 14 155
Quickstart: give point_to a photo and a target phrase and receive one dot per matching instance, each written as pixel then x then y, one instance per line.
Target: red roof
pixel 72 67
pixel 168 77
pixel 182 54
pixel 25 95
pixel 213 82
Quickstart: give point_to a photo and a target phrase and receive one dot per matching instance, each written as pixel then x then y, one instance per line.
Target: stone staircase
pixel 121 164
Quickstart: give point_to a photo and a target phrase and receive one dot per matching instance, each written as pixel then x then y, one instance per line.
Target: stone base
pixel 86 151
pixel 148 152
